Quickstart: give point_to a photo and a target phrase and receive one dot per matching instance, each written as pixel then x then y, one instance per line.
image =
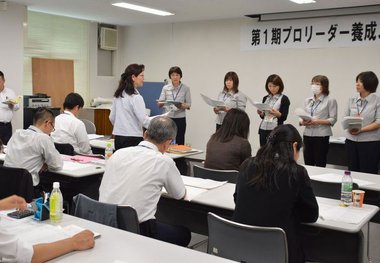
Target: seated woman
pixel 274 191
pixel 228 147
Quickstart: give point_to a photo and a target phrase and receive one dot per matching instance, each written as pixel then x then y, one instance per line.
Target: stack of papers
pixel 302 114
pixel 350 215
pixel 352 123
pixel 201 183
pixel 13 101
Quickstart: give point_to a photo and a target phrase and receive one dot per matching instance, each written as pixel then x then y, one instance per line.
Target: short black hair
pixel 369 80
pixel 43 114
pixel 275 80
pixel 1 74
pixel 175 69
pixel 72 100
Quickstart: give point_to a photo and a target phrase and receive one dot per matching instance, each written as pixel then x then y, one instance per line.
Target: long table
pixel 118 246
pixel 193 214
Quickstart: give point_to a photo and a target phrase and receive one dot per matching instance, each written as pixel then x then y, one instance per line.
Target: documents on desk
pixel 83 159
pixel 72 166
pixel 350 215
pixel 94 136
pixel 337 178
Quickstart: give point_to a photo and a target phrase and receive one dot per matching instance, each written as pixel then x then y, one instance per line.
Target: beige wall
pixel 12 52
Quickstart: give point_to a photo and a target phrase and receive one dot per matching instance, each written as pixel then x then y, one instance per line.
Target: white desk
pixel 125 247
pixel 373 178
pixel 101 144
pixel 222 197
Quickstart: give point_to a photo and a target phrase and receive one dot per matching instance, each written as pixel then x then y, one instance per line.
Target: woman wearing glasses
pixel 323 111
pixel 363 144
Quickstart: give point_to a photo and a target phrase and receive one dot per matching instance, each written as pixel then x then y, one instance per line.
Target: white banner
pixel 341 31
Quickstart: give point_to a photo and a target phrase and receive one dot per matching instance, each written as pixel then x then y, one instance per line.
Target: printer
pixel 37 100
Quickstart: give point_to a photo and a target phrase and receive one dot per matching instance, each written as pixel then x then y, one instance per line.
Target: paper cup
pixel 358 198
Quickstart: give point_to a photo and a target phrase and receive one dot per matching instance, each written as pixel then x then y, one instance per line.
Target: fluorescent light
pixel 303 1
pixel 143 9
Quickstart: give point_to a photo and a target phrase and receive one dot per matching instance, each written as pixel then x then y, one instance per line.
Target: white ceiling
pixel 185 10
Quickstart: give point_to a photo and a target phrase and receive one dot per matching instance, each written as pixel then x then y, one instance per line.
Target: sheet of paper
pixel 350 215
pixel 201 183
pixel 212 102
pixel 71 230
pixel 191 192
pixel 71 166
pixel 302 114
pixel 337 178
pixel 262 106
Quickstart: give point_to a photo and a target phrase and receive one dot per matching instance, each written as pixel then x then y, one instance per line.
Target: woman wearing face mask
pixel 363 145
pixel 323 111
pixel 279 104
pixel 231 96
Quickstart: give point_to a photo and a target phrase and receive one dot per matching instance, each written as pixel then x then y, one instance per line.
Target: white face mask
pixel 316 89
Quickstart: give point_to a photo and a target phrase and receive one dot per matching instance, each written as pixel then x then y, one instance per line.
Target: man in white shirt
pixel 6 110
pixel 33 149
pixel 135 176
pixel 68 128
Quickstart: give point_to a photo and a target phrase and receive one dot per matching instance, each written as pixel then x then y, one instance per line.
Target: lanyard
pixel 144 146
pixel 361 106
pixel 174 98
pixel 32 129
pixel 312 110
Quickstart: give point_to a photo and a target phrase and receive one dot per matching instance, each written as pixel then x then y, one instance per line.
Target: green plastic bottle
pixel 56 204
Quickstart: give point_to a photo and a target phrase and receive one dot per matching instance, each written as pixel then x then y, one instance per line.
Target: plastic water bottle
pixel 346 190
pixel 56 204
pixel 108 151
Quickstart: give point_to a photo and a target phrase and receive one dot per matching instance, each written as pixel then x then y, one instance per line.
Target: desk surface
pixel 101 144
pixel 120 246
pixel 222 197
pixel 374 179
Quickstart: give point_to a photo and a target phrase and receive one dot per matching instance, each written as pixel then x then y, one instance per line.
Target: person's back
pixel 228 147
pixel 68 128
pixel 274 191
pixel 135 176
pixel 227 155
pixel 32 148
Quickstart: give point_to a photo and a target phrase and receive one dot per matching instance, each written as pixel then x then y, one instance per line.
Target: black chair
pixel 328 189
pixel 16 181
pixel 122 217
pixel 217 175
pixel 64 148
pixel 245 243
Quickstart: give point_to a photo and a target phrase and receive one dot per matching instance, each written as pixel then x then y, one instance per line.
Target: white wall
pixel 12 51
pixel 207 50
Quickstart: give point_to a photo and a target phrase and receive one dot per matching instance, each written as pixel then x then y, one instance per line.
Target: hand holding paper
pixel 303 114
pixel 13 101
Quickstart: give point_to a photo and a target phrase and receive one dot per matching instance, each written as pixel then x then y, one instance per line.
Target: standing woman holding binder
pixel 128 115
pixel 279 104
pixel 323 111
pixel 363 145
pixel 180 98
pixel 231 96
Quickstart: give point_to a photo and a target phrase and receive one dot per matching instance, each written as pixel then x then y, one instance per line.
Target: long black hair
pixel 236 123
pixel 276 157
pixel 126 82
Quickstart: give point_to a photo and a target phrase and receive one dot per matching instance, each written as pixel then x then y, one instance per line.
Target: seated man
pixel 134 176
pixel 33 149
pixel 14 250
pixel 68 128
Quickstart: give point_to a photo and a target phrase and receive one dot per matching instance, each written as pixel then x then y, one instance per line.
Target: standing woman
pixel 363 145
pixel 279 104
pixel 324 111
pixel 231 97
pixel 128 115
pixel 274 191
pixel 179 94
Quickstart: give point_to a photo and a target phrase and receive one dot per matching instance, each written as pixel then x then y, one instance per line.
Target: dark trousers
pixel 181 130
pixel 126 141
pixel 5 132
pixel 178 235
pixel 315 150
pixel 363 156
pixel 263 134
